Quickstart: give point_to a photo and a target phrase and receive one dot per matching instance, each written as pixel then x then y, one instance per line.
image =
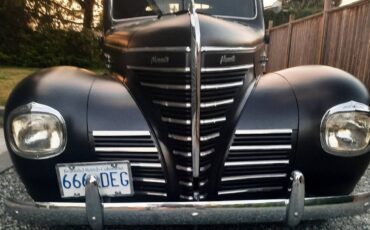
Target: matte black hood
pixel 174 31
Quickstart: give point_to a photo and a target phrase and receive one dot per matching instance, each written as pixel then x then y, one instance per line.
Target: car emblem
pixel 227 59
pixel 160 60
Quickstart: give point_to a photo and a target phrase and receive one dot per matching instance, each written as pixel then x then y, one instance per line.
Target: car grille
pixel 257 162
pixel 171 93
pixel 139 149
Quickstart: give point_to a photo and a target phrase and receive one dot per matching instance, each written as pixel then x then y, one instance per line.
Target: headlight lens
pixel 345 130
pixel 37 132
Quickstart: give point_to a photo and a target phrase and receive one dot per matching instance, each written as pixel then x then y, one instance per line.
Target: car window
pixel 123 9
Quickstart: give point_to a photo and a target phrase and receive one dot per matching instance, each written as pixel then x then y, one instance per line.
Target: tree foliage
pixel 298 8
pixel 41 33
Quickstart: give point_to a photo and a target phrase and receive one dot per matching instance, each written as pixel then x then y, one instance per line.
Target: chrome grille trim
pixel 127 149
pixel 160 69
pixel 176 121
pixel 250 190
pixel 160 49
pixel 179 138
pixel 184 168
pixel 222 86
pixel 228 49
pixel 251 177
pixel 166 86
pixel 261 147
pixel 173 104
pixel 190 184
pixel 191 198
pixel 253 163
pixel 151 193
pixel 149 180
pixel 207 153
pixel 212 121
pixel 146 165
pixel 263 131
pixel 216 103
pixel 209 137
pixel 120 133
pixel 229 68
pixel 183 154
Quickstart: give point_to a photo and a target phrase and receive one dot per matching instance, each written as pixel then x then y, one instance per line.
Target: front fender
pixel 87 102
pixel 297 99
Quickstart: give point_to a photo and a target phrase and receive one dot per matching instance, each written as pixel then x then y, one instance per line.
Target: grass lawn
pixel 9 78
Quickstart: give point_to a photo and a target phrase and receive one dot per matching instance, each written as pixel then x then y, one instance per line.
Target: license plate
pixel 114 178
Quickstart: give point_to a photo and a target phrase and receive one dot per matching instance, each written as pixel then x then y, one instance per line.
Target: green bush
pixel 45 47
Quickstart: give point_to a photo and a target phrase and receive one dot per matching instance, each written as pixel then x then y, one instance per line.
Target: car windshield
pixel 124 9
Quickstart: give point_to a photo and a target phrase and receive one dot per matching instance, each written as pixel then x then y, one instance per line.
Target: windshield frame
pixel 156 16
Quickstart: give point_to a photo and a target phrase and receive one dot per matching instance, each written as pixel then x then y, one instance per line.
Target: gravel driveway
pixel 10 186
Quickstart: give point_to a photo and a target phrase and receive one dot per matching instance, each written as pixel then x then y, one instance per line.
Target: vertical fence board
pixel 278 48
pixel 343 41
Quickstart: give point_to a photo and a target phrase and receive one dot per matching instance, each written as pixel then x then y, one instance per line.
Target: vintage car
pixel 185 129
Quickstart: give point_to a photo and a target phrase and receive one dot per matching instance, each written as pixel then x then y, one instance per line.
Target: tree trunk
pixel 88 13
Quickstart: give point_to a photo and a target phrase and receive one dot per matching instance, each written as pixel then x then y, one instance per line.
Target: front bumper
pixel 291 211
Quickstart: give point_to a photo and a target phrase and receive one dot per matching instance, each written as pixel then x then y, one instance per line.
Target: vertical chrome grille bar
pixel 195 92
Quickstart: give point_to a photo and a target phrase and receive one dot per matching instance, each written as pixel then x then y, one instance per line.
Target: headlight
pixel 37 131
pixel 345 130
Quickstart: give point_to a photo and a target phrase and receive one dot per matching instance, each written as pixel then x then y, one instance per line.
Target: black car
pixel 186 129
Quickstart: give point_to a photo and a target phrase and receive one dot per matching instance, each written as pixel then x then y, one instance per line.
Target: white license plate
pixel 114 178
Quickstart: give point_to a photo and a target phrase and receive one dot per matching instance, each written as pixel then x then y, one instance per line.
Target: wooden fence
pixel 338 37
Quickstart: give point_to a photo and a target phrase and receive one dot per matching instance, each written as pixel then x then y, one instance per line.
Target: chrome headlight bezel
pixel 39 109
pixel 349 107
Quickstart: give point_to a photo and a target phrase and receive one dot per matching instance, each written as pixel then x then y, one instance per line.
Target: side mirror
pixel 276 7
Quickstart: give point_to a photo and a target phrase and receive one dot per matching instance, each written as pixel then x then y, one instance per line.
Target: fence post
pixel 324 31
pixel 267 47
pixel 290 31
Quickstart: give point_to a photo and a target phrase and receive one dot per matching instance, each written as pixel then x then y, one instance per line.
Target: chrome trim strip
pixel 160 69
pixel 209 137
pixel 190 198
pixel 166 86
pixel 205 168
pixel 207 153
pixel 176 121
pixel 160 49
pixel 212 121
pixel 251 177
pixel 149 180
pixel 263 131
pixel 228 68
pixel 183 154
pixel 173 104
pixel 250 190
pixel 260 147
pixel 126 149
pixel 145 165
pixel 190 184
pixel 228 49
pixel 120 133
pixel 222 86
pixel 151 193
pixel 196 69
pixel 254 163
pixel 184 168
pixel 216 103
pixel 179 138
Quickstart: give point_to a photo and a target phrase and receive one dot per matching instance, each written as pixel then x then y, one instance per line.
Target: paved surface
pixel 5 162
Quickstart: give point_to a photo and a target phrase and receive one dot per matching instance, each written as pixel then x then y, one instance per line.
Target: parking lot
pixel 11 187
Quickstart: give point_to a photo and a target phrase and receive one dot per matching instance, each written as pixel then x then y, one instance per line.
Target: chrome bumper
pixel 291 211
